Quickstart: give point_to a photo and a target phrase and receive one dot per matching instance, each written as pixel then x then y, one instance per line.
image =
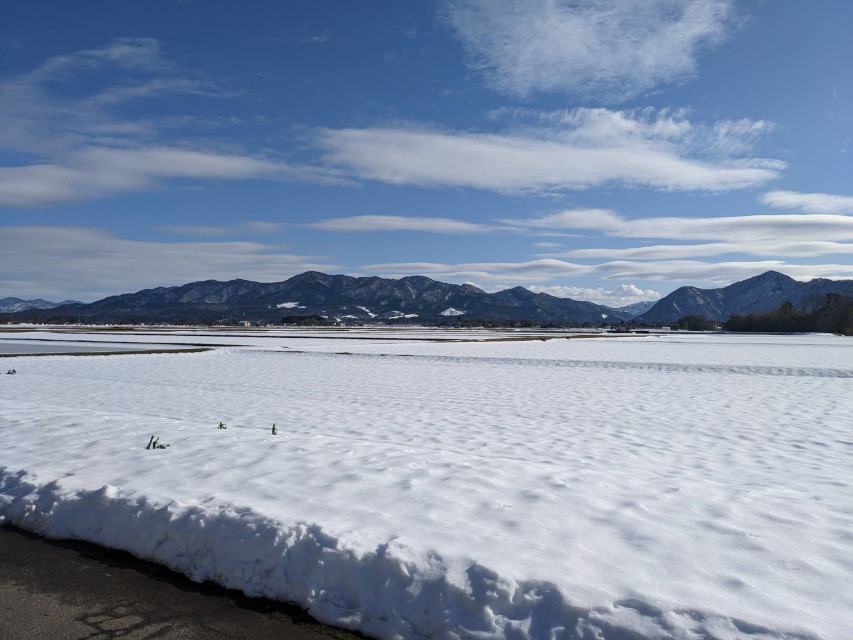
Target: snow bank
pixel 387 593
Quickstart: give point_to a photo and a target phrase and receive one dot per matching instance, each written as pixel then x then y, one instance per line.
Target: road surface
pixel 65 590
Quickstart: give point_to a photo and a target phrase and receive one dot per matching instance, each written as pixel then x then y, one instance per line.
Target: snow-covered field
pixel 622 488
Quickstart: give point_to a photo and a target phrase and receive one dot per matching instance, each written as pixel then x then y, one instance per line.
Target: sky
pixel 604 150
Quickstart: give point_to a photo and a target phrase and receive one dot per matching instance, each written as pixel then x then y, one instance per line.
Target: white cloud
pixel 809 202
pixel 95 172
pixel 87 263
pixel 612 49
pixel 565 150
pixel 572 219
pixel 790 228
pixel 547 245
pixel 400 223
pixel 620 296
pixel 802 249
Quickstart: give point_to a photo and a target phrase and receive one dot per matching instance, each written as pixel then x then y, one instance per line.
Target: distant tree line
pixel 465 322
pixel 834 316
pixel 695 323
pixel 307 321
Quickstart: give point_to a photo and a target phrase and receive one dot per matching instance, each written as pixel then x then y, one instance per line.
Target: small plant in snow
pixel 274 430
pixel 155 443
pixel 221 425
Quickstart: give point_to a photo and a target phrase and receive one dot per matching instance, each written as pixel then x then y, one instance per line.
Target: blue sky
pixel 609 151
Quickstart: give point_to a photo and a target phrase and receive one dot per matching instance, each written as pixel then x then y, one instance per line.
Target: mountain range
pixel 637 308
pixel 337 297
pixel 754 295
pixel 419 299
pixel 13 305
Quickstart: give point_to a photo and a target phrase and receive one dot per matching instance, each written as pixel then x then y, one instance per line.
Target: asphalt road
pixel 65 590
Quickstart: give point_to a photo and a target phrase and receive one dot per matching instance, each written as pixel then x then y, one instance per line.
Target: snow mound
pixel 450 311
pixel 384 592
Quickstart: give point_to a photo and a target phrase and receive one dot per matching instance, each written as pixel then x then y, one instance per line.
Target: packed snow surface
pixel 622 488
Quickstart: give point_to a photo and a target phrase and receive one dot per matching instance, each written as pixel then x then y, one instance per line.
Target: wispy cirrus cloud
pixel 809 202
pixel 252 226
pixel 38 123
pixel 69 148
pixel 89 263
pixel 126 53
pixel 559 151
pixel 400 223
pixel 152 89
pixel 608 50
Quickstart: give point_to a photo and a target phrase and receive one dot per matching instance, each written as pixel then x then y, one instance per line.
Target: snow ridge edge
pixel 387 593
